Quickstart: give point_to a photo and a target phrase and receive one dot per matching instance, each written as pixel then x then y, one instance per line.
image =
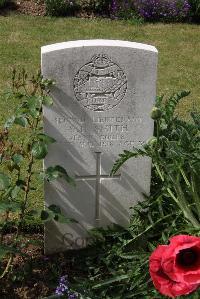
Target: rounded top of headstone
pixel 97 42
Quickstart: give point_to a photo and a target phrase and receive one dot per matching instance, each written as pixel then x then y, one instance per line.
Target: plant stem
pixel 5 221
pixel 180 200
pixel 185 177
pixel 195 193
pixel 158 130
pixel 172 195
pixel 168 189
pixel 28 179
pixel 7 266
pixel 159 172
pixel 27 188
pixel 184 205
pixel 147 229
pixel 160 206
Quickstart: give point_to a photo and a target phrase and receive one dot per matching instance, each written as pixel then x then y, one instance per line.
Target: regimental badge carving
pixel 100 84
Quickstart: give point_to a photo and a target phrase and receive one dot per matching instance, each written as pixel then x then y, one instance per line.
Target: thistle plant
pixel 18 155
pixel 117 263
pixel 175 154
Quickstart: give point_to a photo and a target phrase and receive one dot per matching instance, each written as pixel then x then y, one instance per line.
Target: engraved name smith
pixel 100 84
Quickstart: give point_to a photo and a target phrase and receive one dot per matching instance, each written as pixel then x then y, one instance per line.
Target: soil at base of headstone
pixel 34 275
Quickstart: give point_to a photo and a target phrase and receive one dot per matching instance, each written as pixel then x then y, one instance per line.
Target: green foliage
pixel 39 150
pixel 53 212
pixel 2 3
pixel 55 172
pixel 195 9
pixel 95 6
pixel 4 181
pixel 129 14
pixel 40 146
pixel 126 155
pixel 60 7
pixel 66 8
pixel 125 10
pixel 175 155
pixel 116 263
pixel 17 161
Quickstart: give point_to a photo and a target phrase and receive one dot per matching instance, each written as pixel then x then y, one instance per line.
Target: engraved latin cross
pixel 97 177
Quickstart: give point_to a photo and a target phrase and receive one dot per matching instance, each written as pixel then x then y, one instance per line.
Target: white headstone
pixel 104 92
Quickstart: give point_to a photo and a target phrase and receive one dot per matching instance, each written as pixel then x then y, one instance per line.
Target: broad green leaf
pixel 17 158
pixel 44 215
pixel 34 102
pixel 4 181
pixel 63 219
pixel 9 122
pixel 47 215
pixel 55 172
pixel 47 101
pixel 15 191
pixel 34 113
pixel 15 207
pixel 39 150
pixel 4 206
pixel 34 105
pixel 9 206
pixel 57 216
pixel 55 209
pixel 45 138
pixel 21 121
pixel 51 174
pixel 63 173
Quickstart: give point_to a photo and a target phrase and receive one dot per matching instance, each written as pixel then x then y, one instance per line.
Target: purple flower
pixel 163 9
pixel 63 288
pixel 114 6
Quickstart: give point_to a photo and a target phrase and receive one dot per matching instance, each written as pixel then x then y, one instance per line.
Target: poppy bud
pixel 152 141
pixel 156 113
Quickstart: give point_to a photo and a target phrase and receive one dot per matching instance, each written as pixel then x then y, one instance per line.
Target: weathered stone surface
pixel 102 99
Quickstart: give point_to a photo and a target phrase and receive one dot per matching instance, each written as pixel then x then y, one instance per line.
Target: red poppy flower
pixel 175 268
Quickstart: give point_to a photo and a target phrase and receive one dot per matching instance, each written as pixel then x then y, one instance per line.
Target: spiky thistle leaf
pixel 126 155
pixel 196 118
pixel 159 100
pixel 172 102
